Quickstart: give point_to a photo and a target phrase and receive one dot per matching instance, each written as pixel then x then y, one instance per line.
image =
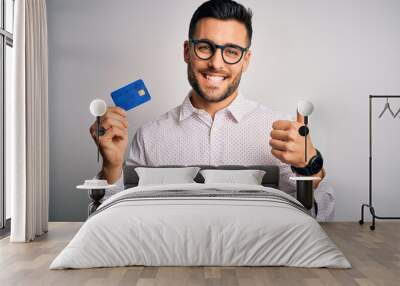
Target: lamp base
pixel 95 195
pixel 305 192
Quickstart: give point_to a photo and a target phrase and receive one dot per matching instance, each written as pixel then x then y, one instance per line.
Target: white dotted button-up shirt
pixel 238 135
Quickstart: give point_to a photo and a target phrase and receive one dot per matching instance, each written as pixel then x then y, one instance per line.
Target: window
pixel 6 45
pixel 9 19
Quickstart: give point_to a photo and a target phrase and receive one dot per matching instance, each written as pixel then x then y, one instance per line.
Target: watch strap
pixel 308 170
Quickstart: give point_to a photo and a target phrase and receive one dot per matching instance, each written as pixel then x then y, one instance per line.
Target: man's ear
pixel 246 61
pixel 186 51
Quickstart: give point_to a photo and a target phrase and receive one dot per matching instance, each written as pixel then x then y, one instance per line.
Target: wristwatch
pixel 313 167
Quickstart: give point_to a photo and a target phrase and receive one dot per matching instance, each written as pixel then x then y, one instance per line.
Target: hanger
pixel 397 113
pixel 387 106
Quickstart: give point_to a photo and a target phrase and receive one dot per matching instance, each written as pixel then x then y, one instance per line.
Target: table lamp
pixel 96 188
pixel 304 185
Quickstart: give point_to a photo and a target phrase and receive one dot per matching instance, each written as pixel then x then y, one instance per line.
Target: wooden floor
pixel 374 255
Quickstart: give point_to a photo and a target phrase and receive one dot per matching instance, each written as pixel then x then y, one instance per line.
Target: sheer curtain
pixel 27 141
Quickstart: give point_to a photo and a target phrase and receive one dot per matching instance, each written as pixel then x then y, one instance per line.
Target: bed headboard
pixel 270 179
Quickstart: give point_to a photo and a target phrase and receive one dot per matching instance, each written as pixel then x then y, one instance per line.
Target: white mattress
pixel 184 230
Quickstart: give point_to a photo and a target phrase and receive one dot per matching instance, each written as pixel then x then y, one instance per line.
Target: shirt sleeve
pixel 113 191
pixel 137 153
pixel 325 197
pixel 136 157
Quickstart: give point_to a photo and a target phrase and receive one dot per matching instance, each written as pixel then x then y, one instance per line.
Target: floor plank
pixel 374 255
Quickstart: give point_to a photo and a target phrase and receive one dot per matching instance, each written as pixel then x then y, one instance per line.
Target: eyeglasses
pixel 205 50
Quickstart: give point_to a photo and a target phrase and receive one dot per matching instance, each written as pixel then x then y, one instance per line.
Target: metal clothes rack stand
pixel 370 206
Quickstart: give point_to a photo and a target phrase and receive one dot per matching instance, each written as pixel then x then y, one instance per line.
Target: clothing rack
pixel 370 206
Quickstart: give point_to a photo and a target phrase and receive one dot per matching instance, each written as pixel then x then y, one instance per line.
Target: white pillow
pixel 250 177
pixel 162 176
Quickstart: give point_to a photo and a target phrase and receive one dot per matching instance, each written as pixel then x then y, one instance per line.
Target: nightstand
pixel 96 191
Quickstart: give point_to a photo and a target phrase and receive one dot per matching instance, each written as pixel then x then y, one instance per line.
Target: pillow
pixel 250 177
pixel 162 176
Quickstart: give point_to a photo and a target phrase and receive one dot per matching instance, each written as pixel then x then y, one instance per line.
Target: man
pixel 215 125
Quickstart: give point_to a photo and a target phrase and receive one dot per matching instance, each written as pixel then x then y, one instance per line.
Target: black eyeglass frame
pixel 222 47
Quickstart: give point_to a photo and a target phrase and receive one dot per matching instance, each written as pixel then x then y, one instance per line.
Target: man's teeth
pixel 215 79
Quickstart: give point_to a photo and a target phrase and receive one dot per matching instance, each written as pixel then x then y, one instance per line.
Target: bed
pixel 201 224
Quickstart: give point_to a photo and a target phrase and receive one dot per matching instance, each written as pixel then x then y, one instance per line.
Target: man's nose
pixel 216 61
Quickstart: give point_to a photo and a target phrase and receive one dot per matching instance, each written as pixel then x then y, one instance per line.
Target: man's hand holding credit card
pixel 114 127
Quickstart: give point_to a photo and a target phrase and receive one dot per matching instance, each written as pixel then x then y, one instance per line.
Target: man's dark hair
pixel 223 10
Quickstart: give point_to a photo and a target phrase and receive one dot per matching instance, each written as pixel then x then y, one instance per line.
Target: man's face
pixel 213 79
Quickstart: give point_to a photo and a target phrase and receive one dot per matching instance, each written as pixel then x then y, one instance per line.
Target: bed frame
pixel 131 178
pixel 270 179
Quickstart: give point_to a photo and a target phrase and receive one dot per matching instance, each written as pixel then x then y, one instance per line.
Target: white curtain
pixel 27 141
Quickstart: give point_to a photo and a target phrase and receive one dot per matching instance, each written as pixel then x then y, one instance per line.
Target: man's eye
pixel 204 47
pixel 232 52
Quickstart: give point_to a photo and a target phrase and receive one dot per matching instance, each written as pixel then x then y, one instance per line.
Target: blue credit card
pixel 131 95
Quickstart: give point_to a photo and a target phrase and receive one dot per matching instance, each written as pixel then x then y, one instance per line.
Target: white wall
pixel 334 53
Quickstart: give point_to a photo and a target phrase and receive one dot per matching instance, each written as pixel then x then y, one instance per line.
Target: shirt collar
pixel 241 106
pixel 238 108
pixel 187 109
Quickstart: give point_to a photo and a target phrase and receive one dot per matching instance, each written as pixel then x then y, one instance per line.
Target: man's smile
pixel 213 79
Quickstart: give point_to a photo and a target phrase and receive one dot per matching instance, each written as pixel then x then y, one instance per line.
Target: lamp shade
pixel 98 107
pixel 305 107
